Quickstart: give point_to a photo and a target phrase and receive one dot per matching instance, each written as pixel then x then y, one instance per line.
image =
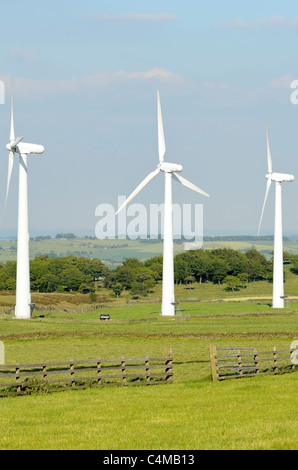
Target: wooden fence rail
pixel 21 379
pixel 231 363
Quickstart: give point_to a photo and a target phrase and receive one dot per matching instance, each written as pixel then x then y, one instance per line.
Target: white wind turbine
pixel 278 277
pixel 169 169
pixel 23 296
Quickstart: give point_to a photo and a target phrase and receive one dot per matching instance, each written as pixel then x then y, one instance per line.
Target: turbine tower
pixel 23 296
pixel 278 274
pixel 169 169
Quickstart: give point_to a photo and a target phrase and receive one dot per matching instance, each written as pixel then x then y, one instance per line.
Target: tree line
pixel 79 274
pixel 64 274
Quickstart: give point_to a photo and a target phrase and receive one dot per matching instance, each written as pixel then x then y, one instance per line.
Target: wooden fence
pixel 22 379
pixel 231 363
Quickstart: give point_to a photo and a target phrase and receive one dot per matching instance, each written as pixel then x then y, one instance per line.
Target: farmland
pixel 193 412
pixel 113 252
pixel 193 406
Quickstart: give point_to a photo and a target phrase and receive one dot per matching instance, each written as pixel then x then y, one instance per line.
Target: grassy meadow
pixel 192 413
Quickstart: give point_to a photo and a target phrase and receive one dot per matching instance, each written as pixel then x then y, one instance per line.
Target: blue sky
pixel 85 79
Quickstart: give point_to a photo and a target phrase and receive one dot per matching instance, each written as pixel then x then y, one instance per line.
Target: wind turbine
pixel 23 296
pixel 169 169
pixel 278 275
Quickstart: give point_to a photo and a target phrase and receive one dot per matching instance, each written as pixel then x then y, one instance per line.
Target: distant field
pixel 113 252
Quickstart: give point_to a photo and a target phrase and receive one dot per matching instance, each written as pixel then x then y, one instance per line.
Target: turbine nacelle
pixel 280 177
pixel 170 167
pixel 24 148
pixel 16 145
pixel 272 176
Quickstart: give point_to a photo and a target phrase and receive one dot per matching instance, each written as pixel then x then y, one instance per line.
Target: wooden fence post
pixel 123 370
pixel 147 369
pixel 72 374
pixel 169 365
pixel 275 360
pixel 18 377
pixel 239 362
pixel 213 362
pixel 44 370
pixel 256 361
pixel 98 365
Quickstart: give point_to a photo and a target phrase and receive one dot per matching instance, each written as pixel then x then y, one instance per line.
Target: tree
pixel 149 285
pixel 124 276
pixel 96 268
pixel 71 279
pixel 181 268
pixel 200 265
pixel 189 280
pixel 257 264
pixel 117 288
pixel 155 264
pixel 232 282
pixel 137 289
pixel 243 279
pixel 92 297
pixel 294 261
pixel 10 283
pixel 219 271
pixel 48 283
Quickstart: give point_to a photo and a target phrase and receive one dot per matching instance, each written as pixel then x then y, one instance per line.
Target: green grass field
pixel 193 412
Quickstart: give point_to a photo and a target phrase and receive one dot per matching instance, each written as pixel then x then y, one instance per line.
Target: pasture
pixel 193 412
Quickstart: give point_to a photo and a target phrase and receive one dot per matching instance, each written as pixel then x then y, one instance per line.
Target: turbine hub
pixel 170 167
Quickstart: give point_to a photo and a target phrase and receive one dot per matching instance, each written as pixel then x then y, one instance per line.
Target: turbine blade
pixel 12 136
pixel 161 137
pixel 138 189
pixel 266 195
pixel 269 159
pixel 10 165
pixel 16 142
pixel 190 185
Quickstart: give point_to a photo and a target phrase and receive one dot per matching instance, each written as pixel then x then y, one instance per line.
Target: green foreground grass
pixel 193 412
pixel 250 414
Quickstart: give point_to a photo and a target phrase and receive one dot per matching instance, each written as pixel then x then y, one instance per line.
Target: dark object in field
pixel 105 316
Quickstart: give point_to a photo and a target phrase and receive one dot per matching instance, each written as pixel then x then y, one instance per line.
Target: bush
pixel 35 385
pixel 92 297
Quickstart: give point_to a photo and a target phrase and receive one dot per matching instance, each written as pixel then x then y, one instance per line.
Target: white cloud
pixel 271 22
pixel 133 17
pixel 24 54
pixel 284 81
pixel 161 74
pixel 27 86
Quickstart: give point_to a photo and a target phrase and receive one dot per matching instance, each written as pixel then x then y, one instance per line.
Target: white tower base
pixel 23 297
pixel 168 296
pixel 278 273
